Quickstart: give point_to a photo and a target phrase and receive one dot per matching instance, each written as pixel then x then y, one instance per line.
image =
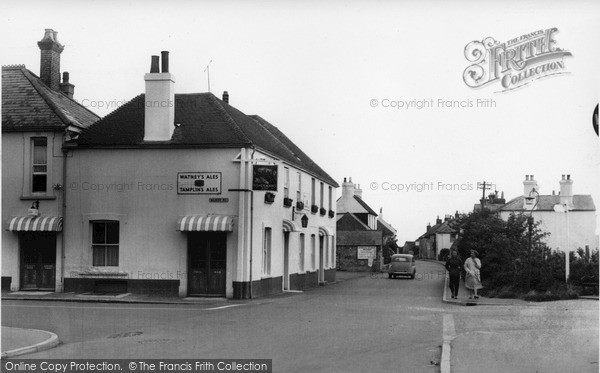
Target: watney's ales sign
pixel 514 63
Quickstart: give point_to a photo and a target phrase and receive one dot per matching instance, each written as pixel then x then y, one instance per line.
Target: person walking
pixel 473 277
pixel 454 267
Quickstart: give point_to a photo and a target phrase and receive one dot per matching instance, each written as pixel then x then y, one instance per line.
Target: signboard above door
pixel 199 183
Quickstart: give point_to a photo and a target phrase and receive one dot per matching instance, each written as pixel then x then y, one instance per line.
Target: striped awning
pixel 35 224
pixel 210 223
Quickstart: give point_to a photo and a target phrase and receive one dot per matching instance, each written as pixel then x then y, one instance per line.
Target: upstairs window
pixel 322 195
pixel 39 166
pixel 313 191
pixel 286 182
pixel 105 243
pixel 299 191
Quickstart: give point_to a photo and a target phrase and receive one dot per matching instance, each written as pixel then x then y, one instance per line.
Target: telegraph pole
pixel 207 71
pixel 483 186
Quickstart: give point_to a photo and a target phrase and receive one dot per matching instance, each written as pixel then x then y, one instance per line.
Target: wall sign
pixel 264 177
pixel 218 200
pixel 366 252
pixel 199 183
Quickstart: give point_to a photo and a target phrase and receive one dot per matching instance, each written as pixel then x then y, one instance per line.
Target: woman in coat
pixel 454 267
pixel 473 277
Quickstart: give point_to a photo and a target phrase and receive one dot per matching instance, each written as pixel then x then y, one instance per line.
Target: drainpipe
pixel 64 217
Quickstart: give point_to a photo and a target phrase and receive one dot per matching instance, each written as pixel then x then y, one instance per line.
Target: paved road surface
pixel 366 324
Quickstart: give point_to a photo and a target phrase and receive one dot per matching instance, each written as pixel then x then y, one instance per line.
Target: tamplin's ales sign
pixel 516 62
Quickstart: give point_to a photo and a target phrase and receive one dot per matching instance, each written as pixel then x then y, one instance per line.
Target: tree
pixel 503 249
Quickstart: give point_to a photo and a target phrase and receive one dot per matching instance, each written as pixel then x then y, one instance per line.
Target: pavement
pixel 19 341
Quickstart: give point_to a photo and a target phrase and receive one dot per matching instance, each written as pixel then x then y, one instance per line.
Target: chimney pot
pixel 154 65
pixel 531 177
pixel 344 180
pixel 65 87
pixel 165 61
pixel 563 177
pixel 568 177
pixel 526 177
pixel 226 100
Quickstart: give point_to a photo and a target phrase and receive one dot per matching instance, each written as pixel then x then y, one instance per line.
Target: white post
pixel 567 258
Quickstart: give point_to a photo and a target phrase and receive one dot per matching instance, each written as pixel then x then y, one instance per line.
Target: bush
pixel 444 255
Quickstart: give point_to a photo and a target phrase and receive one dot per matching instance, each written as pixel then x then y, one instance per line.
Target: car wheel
pixel 412 277
pixel 389 274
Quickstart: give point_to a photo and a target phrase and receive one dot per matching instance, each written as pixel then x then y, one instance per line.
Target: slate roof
pixel 204 121
pixel 430 231
pixel 349 222
pixel 445 228
pixel 547 202
pixel 385 227
pixel 364 205
pixel 29 105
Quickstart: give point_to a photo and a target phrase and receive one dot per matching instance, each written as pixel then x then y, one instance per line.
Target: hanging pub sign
pixel 199 183
pixel 264 177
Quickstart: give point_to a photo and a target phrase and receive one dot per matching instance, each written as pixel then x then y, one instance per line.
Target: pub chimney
pixel 159 105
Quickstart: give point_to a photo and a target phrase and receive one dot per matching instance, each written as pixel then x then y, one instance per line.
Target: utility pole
pixel 483 186
pixel 207 71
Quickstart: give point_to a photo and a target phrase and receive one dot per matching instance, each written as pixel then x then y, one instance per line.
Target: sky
pixel 347 81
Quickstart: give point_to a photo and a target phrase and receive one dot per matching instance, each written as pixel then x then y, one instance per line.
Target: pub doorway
pixel 38 260
pixel 207 262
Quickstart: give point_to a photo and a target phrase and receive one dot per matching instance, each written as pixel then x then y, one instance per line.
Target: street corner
pixel 19 341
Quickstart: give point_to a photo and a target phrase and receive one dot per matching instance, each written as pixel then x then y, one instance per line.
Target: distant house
pixel 579 224
pixel 359 242
pixel 410 247
pixel 40 120
pixel 438 237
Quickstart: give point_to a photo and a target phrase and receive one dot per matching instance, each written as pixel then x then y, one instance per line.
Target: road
pixel 366 324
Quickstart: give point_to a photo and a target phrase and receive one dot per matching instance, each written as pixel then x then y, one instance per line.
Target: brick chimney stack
pixel 65 87
pixel 50 59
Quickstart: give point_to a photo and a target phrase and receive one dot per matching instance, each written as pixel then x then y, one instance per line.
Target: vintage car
pixel 402 265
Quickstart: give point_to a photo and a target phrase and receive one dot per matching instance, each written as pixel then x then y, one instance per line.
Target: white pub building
pixel 184 195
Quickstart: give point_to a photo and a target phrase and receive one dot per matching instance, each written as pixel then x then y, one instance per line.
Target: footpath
pixel 506 350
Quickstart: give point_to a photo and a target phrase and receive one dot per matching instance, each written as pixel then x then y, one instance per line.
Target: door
pixel 207 263
pixel 38 260
pixel 321 264
pixel 286 260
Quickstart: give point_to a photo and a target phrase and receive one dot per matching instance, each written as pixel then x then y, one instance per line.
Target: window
pixel 267 252
pixel 313 249
pixel 326 251
pixel 322 195
pixel 299 191
pixel 301 255
pixel 286 182
pixel 39 165
pixel 105 243
pixel 330 198
pixel 312 191
pixel 332 248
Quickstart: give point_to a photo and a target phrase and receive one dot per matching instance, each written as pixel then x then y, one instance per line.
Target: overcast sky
pixel 314 69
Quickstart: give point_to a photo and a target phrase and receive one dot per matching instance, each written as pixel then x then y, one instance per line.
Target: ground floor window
pixel 301 254
pixel 267 252
pixel 313 249
pixel 105 243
